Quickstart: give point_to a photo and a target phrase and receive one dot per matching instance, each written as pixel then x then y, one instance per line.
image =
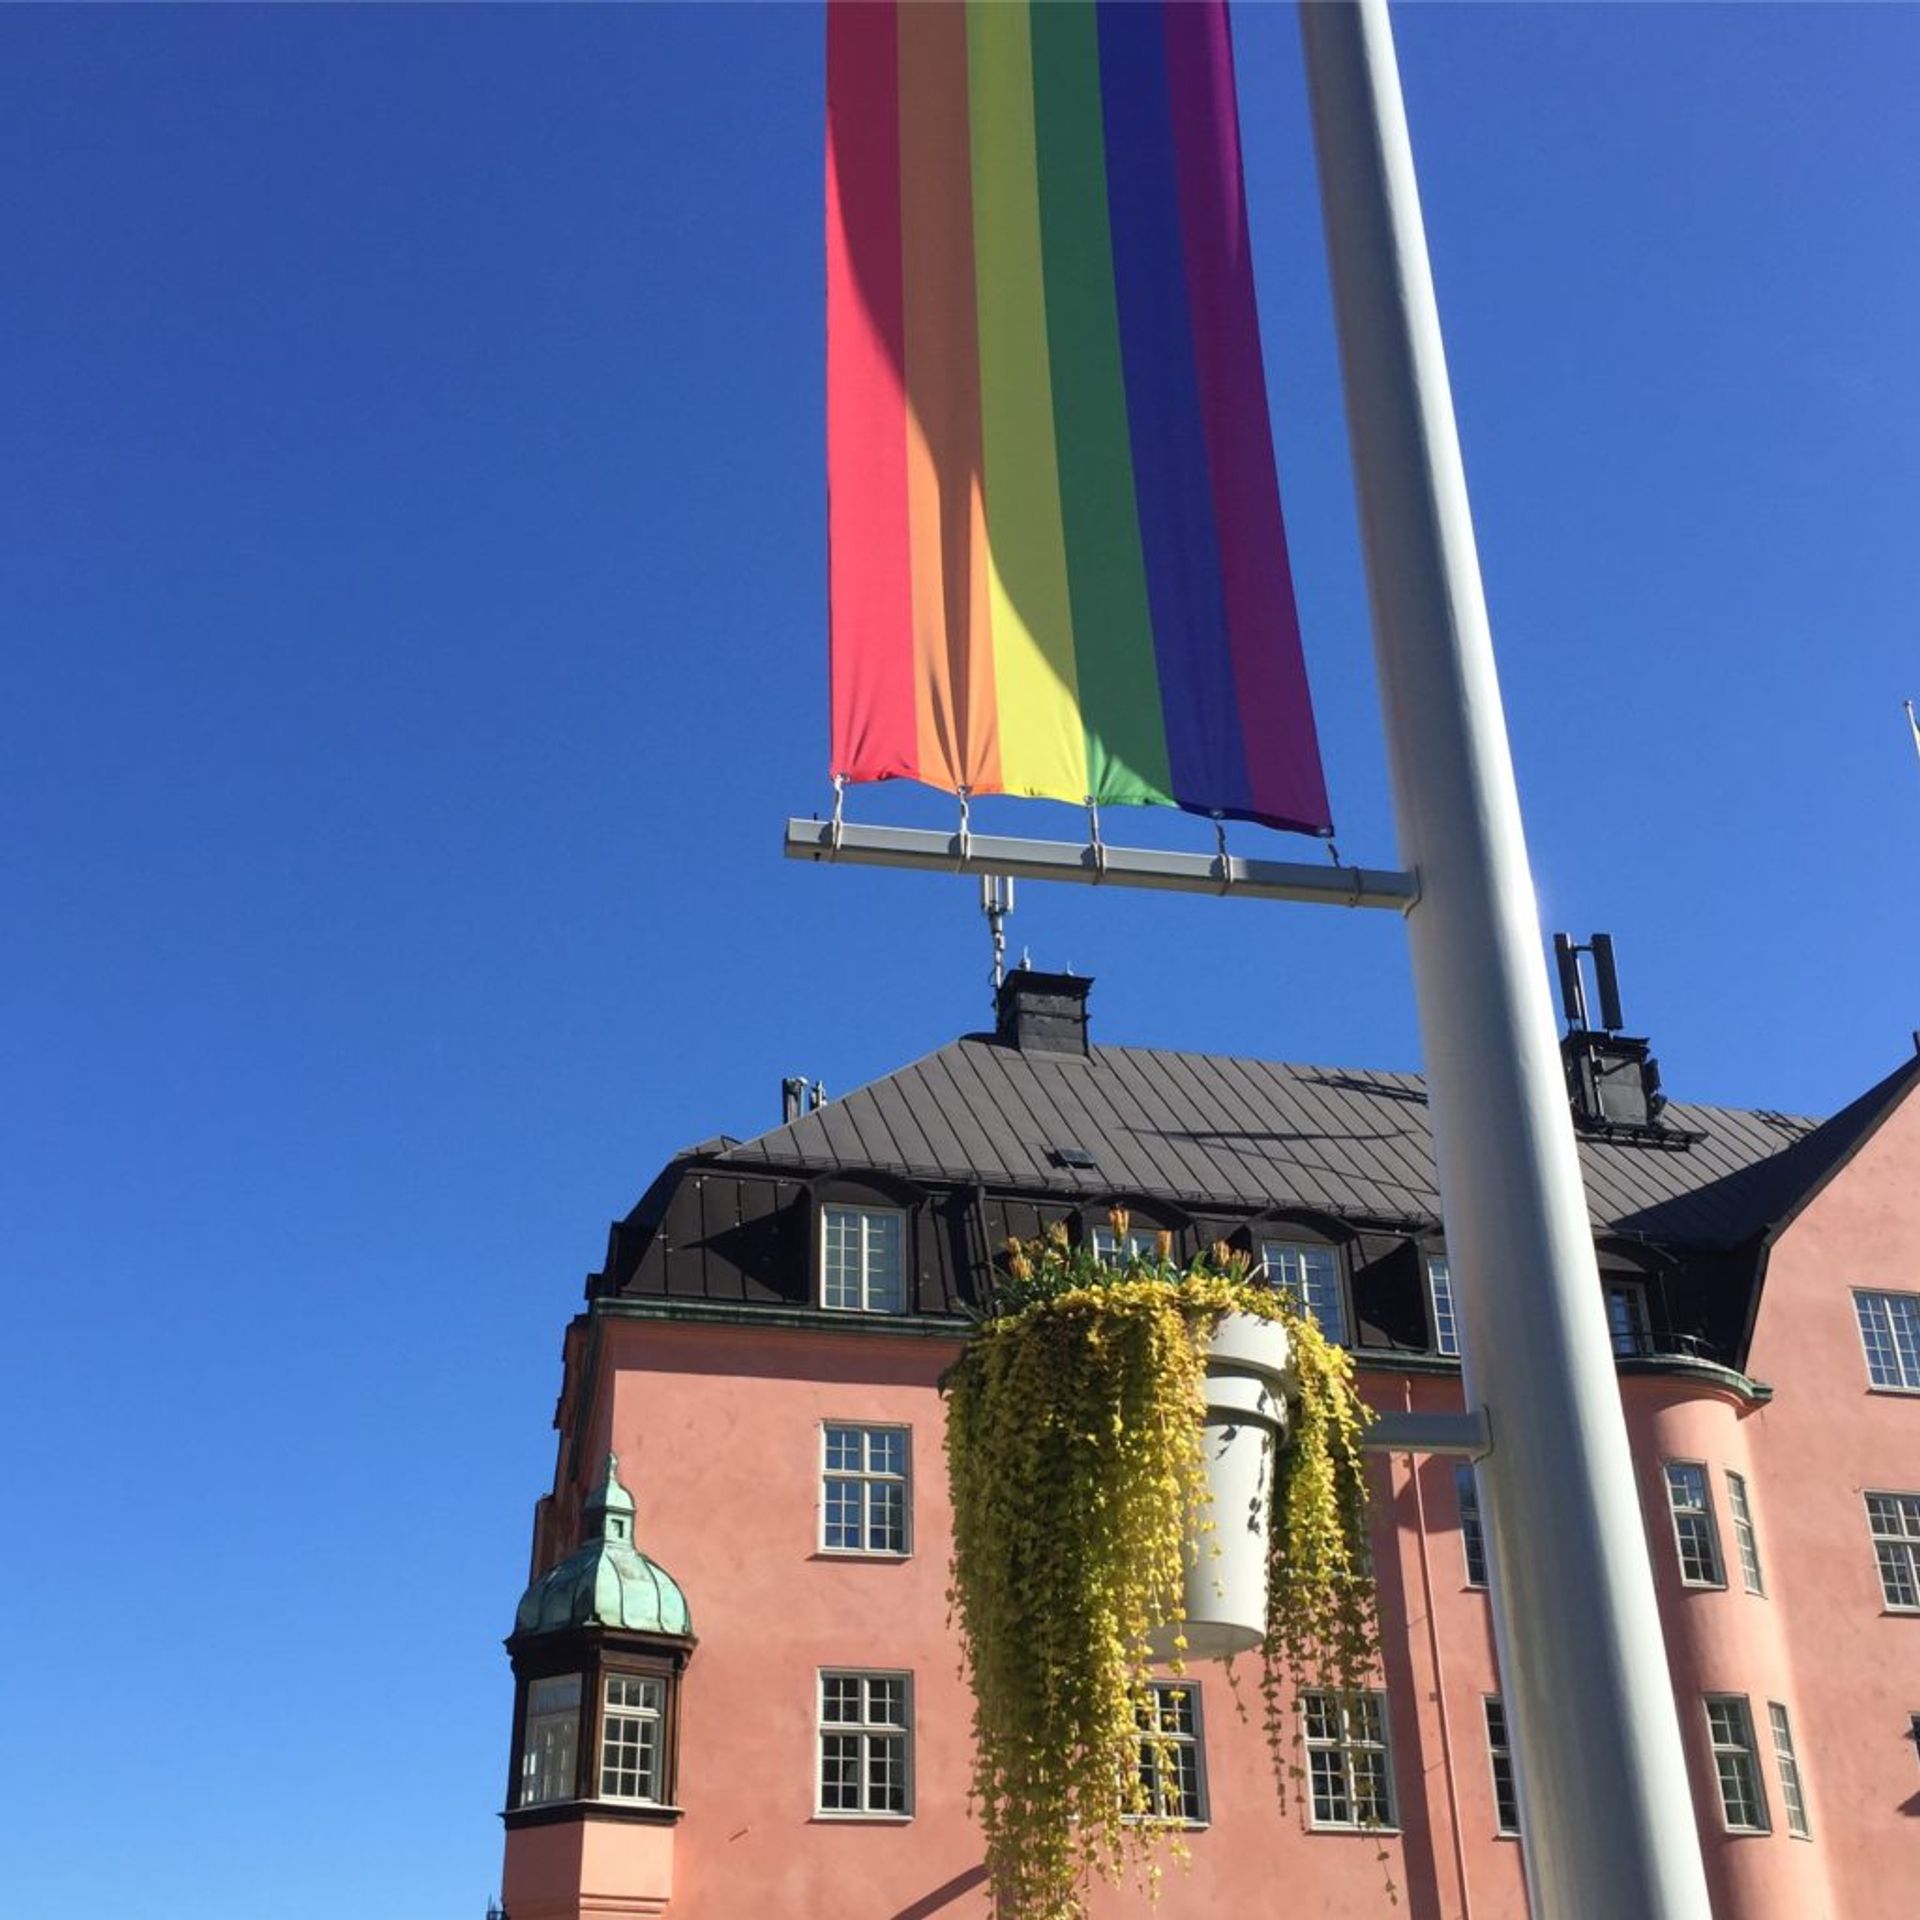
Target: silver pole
pixel 1607 1811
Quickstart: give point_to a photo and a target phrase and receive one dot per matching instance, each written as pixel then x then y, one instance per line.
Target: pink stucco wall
pixel 1825 1439
pixel 588 1870
pixel 1726 1640
pixel 717 1431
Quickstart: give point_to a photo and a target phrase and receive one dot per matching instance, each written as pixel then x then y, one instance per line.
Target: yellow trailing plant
pixel 1079 1497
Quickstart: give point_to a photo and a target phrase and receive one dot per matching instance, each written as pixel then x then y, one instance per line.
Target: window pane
pixel 1171 1768
pixel 864 1761
pixel 885 1288
pixel 1742 1797
pixel 1312 1276
pixel 1347 1766
pixel 1696 1538
pixel 1322 1721
pixel 1506 1799
pixel 1446 1331
pixel 840 1772
pixel 1473 1538
pixel 552 1695
pixel 1743 1534
pixel 887 1519
pixel 1331 1806
pixel 1895 1522
pixel 630 1739
pixel 1890 1331
pixel 550 1744
pixel 1627 1317
pixel 1791 1792
pixel 863 1501
pixel 862 1269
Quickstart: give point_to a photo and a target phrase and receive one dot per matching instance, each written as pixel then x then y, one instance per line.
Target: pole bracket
pixel 843 843
pixel 1461 1436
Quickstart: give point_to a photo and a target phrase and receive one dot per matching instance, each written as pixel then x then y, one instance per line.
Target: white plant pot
pixel 1249 1379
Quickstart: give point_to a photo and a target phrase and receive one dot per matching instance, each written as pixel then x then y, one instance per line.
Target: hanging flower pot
pixel 1147 1462
pixel 1245 1425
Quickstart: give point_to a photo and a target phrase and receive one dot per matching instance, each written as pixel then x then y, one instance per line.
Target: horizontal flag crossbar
pixel 1097 864
pixel 1466 1436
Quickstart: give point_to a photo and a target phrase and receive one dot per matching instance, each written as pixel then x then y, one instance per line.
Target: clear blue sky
pixel 411 573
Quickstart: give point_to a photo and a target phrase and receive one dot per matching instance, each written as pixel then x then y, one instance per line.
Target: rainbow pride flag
pixel 1058 565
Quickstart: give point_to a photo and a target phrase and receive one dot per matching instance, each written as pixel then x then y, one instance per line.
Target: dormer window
pixel 862 1263
pixel 1112 1248
pixel 1446 1323
pixel 1311 1274
pixel 1627 1318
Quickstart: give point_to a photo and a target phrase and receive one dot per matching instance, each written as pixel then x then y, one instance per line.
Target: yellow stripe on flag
pixel 1043 748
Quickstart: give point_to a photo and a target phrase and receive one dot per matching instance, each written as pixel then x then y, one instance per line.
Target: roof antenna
pixel 1573 991
pixel 996 902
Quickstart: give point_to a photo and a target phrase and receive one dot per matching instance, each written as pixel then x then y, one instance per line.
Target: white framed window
pixel 1895 1522
pixel 1744 1538
pixel 866 1745
pixel 1173 1764
pixel 862 1263
pixel 1113 1249
pixel 1506 1798
pixel 1696 1536
pixel 1349 1767
pixel 632 1709
pixel 864 1489
pixel 1792 1792
pixel 1743 1794
pixel 1890 1332
pixel 1473 1533
pixel 1446 1325
pixel 1627 1324
pixel 1311 1275
pixel 550 1745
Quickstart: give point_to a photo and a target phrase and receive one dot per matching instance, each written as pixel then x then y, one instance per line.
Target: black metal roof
pixel 1201 1129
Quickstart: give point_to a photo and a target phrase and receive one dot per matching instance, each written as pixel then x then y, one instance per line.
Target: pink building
pixel 777 1727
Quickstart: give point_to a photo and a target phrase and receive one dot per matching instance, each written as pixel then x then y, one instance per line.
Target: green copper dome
pixel 608 1582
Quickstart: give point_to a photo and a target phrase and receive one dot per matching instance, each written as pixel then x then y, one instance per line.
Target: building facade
pixel 778 1726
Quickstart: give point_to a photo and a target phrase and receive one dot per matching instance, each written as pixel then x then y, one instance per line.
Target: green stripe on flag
pixel 1106 571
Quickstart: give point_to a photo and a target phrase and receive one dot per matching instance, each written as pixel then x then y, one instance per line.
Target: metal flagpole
pixel 1606 1808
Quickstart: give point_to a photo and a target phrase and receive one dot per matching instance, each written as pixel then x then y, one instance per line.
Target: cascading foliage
pixel 1079 1494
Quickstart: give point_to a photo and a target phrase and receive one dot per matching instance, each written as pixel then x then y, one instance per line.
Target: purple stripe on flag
pixel 1172 482
pixel 1282 756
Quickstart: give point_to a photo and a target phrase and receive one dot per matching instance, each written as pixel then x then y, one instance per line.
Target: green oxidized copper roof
pixel 608 1581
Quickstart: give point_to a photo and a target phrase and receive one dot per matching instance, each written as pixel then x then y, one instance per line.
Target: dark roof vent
pixel 1613 1079
pixel 1043 1012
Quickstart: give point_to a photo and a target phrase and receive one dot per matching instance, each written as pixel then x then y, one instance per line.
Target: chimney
pixel 793 1094
pixel 1043 1012
pixel 1613 1079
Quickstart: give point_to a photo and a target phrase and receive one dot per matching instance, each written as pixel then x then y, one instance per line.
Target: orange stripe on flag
pixel 946 507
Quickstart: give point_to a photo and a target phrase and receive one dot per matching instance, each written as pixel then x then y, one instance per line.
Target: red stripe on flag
pixel 874 707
